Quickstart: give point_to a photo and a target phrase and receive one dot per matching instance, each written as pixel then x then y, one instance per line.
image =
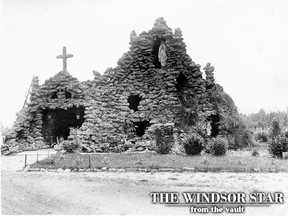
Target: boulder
pixel 99 150
pixel 13 149
pixel 285 155
pixel 63 151
pixel 67 170
pixel 7 152
pixel 128 144
pixel 57 148
pixel 4 148
pixel 30 139
pixel 60 170
pixel 12 142
pixel 86 148
pixel 43 170
pixel 140 148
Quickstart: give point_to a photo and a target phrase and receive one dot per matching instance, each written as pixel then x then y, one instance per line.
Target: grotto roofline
pixel 160 29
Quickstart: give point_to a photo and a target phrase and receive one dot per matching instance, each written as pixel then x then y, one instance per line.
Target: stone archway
pixel 214 119
pixel 57 122
pixel 141 127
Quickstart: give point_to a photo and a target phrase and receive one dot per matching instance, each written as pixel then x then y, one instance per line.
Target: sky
pixel 246 42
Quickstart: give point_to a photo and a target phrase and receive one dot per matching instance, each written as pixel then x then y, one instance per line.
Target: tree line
pixel 262 119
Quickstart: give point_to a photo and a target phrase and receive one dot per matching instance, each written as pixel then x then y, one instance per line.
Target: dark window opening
pixel 140 127
pixel 57 123
pixel 66 93
pixel 134 101
pixel 155 51
pixel 54 95
pixel 180 82
pixel 215 119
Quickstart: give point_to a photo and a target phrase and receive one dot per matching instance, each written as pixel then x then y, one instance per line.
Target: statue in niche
pixel 133 37
pixel 61 94
pixel 162 54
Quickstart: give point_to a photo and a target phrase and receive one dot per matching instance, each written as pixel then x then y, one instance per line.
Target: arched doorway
pixel 57 123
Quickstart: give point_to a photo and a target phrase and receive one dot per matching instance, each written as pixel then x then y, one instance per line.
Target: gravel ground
pixel 17 161
pixel 123 193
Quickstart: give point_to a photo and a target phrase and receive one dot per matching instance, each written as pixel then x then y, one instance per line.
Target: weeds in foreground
pixel 255 153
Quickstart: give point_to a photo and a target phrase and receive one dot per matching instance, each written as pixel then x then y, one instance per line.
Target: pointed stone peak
pixel 160 27
pixel 178 33
pixel 160 20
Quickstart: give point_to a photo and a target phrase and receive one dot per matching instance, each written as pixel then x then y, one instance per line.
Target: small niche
pixel 155 51
pixel 68 95
pixel 215 119
pixel 57 93
pixel 141 127
pixel 134 101
pixel 54 95
pixel 180 82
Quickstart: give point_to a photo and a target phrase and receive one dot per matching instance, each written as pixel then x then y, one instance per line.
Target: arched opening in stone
pixel 155 51
pixel 214 119
pixel 54 95
pixel 57 123
pixel 180 82
pixel 134 101
pixel 141 127
pixel 66 93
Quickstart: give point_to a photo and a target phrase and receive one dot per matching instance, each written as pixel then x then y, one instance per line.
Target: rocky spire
pixel 34 88
pixel 210 84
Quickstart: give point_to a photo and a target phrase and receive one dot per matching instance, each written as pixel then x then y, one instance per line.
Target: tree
pixel 275 129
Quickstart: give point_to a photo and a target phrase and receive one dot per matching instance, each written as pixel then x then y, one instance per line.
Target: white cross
pixel 64 56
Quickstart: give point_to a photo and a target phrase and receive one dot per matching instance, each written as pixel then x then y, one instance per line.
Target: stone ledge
pixel 153 170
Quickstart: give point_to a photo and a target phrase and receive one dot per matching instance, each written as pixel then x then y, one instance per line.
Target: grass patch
pixel 150 160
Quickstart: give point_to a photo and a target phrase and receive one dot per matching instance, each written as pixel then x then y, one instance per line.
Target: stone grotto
pixel 150 85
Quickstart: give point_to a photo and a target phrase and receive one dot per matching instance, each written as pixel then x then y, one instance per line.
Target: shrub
pixel 255 153
pixel 48 161
pixel 231 141
pixel 71 146
pixel 193 144
pixel 128 129
pixel 78 160
pixel 261 136
pixel 242 139
pixel 164 138
pixel 217 146
pixel 278 145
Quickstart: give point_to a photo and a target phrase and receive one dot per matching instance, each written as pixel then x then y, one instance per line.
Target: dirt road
pixel 121 193
pixel 125 193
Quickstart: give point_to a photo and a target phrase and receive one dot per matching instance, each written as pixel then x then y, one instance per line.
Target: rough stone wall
pixel 140 74
pixel 50 95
